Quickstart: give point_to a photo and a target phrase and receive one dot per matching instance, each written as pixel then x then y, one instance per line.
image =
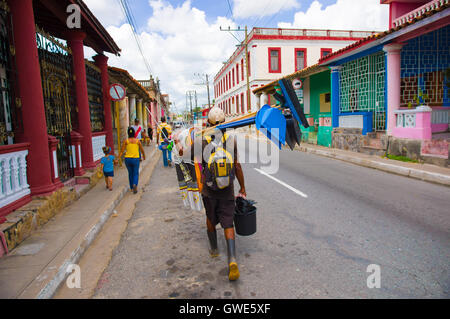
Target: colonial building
pixel 273 53
pixel 394 85
pixel 55 112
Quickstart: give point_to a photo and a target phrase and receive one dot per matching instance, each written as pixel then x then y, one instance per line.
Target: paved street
pixel 313 247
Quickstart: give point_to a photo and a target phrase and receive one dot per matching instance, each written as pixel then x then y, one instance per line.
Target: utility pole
pixel 246 59
pixel 191 94
pixel 207 86
pixel 246 68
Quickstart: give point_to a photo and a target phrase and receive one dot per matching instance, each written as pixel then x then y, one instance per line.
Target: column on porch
pixel 139 112
pixel 258 101
pixel 335 98
pixel 132 103
pixel 30 87
pixel 158 112
pixel 123 120
pixel 102 63
pixel 154 118
pixel 145 116
pixel 75 41
pixel 393 68
pixel 264 98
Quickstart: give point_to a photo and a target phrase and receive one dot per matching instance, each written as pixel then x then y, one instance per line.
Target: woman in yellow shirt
pixel 133 149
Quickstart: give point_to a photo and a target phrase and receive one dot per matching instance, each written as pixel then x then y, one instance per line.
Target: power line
pixel 132 22
pixel 230 10
pixel 229 7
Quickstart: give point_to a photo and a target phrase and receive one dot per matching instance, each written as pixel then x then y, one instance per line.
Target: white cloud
pixel 343 15
pixel 261 8
pixel 177 42
pixel 108 12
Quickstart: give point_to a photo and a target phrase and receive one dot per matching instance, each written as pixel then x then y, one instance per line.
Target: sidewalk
pixel 426 172
pixel 38 265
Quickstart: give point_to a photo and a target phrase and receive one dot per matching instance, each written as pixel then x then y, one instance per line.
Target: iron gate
pixel 10 115
pixel 57 83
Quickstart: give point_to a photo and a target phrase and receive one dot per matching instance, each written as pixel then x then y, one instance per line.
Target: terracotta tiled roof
pixel 380 35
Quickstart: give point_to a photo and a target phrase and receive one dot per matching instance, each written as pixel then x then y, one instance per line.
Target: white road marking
pixel 282 183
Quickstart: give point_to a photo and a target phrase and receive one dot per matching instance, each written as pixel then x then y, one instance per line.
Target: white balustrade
pixel 440 116
pixel 97 144
pixel 406 119
pixel 13 177
pixel 342 34
pixel 292 32
pixel 316 33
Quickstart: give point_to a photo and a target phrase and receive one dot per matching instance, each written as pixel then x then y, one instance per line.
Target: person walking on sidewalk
pixel 107 165
pixel 163 138
pixel 150 134
pixel 133 150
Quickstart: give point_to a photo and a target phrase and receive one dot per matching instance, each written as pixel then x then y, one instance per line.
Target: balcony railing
pixel 311 33
pixel 13 173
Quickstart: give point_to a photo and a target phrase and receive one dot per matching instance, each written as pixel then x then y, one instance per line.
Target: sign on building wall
pixel 117 92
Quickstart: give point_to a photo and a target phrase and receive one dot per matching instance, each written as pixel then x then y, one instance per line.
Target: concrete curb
pixel 49 290
pixel 390 168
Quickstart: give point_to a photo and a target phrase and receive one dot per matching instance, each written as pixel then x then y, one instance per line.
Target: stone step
pixel 376 143
pixel 377 134
pixel 370 150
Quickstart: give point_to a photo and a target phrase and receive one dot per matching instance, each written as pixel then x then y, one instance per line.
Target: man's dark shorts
pixel 219 211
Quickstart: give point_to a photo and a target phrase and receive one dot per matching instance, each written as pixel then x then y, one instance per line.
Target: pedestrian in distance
pixel 150 134
pixel 132 148
pixel 107 165
pixel 145 140
pixel 138 129
pixel 163 135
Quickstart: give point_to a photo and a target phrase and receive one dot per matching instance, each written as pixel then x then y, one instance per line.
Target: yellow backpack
pixel 219 170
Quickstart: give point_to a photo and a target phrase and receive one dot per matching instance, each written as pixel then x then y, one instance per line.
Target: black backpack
pixel 165 135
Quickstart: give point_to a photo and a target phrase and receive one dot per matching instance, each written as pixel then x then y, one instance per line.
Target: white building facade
pixel 272 54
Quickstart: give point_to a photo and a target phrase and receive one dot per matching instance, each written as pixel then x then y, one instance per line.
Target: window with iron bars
pixel 95 96
pixel 424 61
pixel 362 87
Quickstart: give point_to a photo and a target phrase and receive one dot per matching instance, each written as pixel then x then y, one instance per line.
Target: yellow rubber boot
pixel 233 270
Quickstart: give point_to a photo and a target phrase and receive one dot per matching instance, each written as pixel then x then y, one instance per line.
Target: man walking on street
pixel 163 134
pixel 220 164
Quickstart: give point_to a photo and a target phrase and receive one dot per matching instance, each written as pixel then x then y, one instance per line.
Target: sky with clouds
pixel 182 38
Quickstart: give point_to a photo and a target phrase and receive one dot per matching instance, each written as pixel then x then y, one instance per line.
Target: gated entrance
pixel 57 83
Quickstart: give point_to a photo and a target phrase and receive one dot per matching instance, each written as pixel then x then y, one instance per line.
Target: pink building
pixel 395 85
